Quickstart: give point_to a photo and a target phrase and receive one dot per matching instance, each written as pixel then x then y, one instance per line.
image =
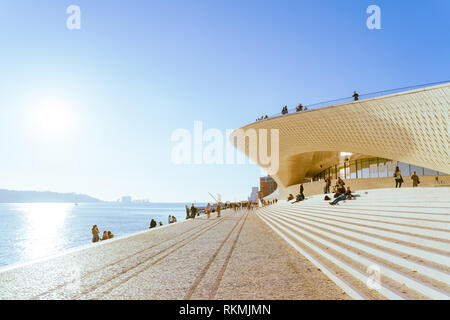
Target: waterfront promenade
pixel 236 256
pixel 307 250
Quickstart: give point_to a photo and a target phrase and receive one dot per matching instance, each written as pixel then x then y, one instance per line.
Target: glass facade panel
pixel 358 169
pixel 429 172
pixel 353 170
pixel 373 164
pixel 332 173
pixel 365 168
pixel 417 169
pixel 347 170
pixel 371 168
pixel 404 168
pixel 342 172
pixel 390 168
pixel 382 171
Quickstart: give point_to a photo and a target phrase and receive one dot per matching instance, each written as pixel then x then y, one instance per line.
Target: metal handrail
pixel 328 103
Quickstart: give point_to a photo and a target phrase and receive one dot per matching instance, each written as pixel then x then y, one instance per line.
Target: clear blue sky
pixel 137 70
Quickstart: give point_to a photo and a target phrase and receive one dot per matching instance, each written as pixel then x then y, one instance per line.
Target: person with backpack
pixel 415 179
pixel 398 177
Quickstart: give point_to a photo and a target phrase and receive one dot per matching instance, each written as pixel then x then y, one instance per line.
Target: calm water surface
pixel 34 230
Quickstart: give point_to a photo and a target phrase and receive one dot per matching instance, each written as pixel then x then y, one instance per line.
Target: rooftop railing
pixel 363 96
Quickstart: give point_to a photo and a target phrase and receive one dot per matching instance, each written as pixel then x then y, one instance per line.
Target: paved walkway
pixel 236 256
pixel 403 235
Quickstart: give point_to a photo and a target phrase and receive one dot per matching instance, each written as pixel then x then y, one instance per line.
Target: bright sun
pixel 53 118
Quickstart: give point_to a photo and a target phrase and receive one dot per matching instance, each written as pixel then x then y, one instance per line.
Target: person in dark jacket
pixel 340 190
pixel 187 212
pixel 193 211
pixel 415 179
pixel 398 177
pixel 301 189
pixel 355 96
pixel 347 195
pixel 300 197
pixel 152 224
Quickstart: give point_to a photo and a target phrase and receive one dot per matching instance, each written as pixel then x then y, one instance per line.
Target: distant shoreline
pixel 15 196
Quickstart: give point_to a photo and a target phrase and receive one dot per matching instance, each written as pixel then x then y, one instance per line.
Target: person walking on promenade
pixel 327 186
pixel 187 212
pixel 415 179
pixel 355 96
pixel 218 210
pixel 95 233
pixel 398 177
pixel 208 210
pixel 152 224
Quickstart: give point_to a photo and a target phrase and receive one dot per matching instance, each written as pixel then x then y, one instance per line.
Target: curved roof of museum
pixel 409 126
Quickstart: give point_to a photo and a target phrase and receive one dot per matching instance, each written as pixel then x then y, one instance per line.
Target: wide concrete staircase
pixel 386 244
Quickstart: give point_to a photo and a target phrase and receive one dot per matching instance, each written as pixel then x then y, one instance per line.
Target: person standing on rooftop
pixel 355 96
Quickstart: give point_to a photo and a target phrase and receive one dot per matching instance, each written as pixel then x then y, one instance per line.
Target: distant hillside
pixel 11 196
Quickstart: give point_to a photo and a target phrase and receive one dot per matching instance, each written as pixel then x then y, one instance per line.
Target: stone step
pixel 343 242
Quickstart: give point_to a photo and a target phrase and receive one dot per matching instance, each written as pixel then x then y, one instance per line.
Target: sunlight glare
pixel 45 222
pixel 53 118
